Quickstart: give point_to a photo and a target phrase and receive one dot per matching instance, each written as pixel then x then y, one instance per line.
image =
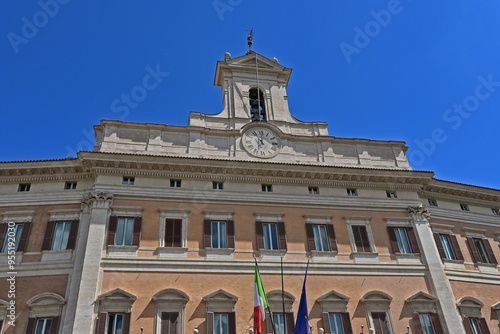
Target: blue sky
pixel 423 72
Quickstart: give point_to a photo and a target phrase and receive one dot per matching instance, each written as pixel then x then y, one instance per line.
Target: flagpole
pixel 282 297
pixel 268 309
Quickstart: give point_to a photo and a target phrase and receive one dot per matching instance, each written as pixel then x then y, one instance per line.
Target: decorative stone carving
pixel 97 199
pixel 419 213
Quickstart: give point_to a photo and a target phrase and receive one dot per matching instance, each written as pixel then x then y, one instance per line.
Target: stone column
pixel 452 322
pixel 96 206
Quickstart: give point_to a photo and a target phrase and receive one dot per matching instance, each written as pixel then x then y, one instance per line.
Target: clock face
pixel 261 142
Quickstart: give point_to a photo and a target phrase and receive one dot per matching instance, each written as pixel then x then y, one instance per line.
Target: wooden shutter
pixel 326 322
pixel 417 325
pixel 231 317
pixel 281 236
pixel 230 233
pixel 24 237
pixel 439 245
pixel 413 240
pixel 207 233
pixel 361 238
pixel 436 323
pixel 101 322
pixel 30 329
pixel 483 326
pixel 380 322
pixel 269 325
pixel 49 234
pixel 456 248
pixel 467 325
pixel 210 323
pixel 310 237
pixel 173 232
pixel 136 237
pixel 489 251
pixel 260 234
pixel 54 327
pixel 290 324
pixel 346 322
pixel 126 323
pixel 331 237
pixel 473 250
pixel 113 222
pixel 393 239
pixel 73 232
pixel 3 230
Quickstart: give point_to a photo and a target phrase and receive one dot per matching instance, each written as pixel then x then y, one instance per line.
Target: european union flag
pixel 302 324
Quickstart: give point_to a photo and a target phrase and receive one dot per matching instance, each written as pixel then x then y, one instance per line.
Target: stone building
pixel 158 228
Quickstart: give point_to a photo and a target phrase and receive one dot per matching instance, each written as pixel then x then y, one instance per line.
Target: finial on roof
pixel 227 56
pixel 250 39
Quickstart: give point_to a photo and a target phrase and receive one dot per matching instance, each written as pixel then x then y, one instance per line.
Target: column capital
pixel 97 199
pixel 419 213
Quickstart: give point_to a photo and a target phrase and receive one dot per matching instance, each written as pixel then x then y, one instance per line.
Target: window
pixel 173 233
pixel 219 234
pixel 175 183
pixel 115 324
pixel 427 323
pixel 24 187
pixel 380 322
pixel 448 247
pixel 60 235
pixel 70 185
pixel 267 188
pixel 391 194
pixel 279 320
pixel 464 207
pixel 124 231
pixel 14 236
pixel 271 236
pixel 221 318
pixel 352 192
pixel 496 212
pixel 313 190
pixel 339 323
pixel 433 202
pixel 361 240
pixel 128 180
pixel 403 240
pixel 217 185
pixel 476 325
pixel 169 323
pixel 43 326
pixel 321 237
pixel 481 250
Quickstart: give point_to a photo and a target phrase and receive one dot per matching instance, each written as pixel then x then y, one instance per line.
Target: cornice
pixel 23 175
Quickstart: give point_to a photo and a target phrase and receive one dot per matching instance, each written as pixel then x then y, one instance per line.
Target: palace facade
pixel 158 229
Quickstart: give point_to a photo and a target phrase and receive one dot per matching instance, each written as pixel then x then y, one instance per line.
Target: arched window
pixel 257 105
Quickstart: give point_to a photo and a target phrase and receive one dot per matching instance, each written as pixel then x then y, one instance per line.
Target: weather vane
pixel 250 39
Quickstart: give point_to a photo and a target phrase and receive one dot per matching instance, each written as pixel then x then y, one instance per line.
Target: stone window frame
pixel 470 307
pixel 168 213
pixel 361 257
pixel 114 301
pixel 45 305
pixel 124 212
pixel 413 257
pixel 62 216
pixel 334 302
pixel 219 215
pixel 170 300
pixel 331 255
pixel 425 303
pixel 3 313
pixel 377 301
pixel 275 300
pixel 476 233
pixel 448 229
pixel 219 301
pixel 271 218
pixel 18 217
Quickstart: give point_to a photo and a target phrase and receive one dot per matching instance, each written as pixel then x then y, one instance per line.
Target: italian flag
pixel 260 304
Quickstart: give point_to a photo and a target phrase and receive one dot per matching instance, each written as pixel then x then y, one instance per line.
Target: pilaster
pixel 452 322
pixel 96 209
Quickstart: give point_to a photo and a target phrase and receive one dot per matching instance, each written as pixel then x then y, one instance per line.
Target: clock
pixel 261 142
